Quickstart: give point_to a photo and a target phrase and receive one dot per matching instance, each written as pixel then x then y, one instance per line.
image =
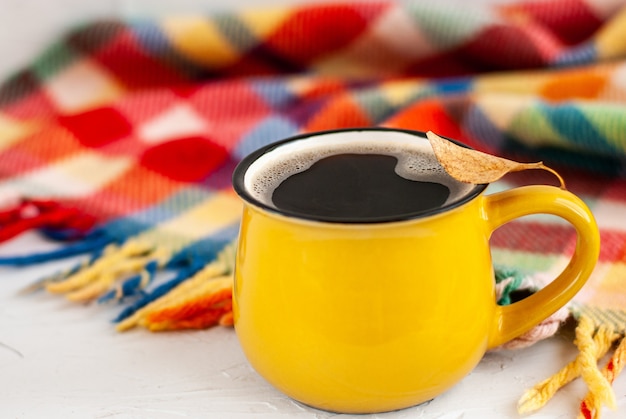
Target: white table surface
pixel 63 360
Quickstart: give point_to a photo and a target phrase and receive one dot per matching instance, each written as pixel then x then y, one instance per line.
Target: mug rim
pixel 238 182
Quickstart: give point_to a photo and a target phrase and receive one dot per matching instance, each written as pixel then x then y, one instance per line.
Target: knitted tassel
pixel 161 290
pixel 115 262
pixel 189 282
pixel 64 274
pixel 189 299
pixel 593 343
pixel 591 406
pixel 206 306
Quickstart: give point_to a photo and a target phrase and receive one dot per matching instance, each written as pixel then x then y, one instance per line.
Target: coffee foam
pixel 416 160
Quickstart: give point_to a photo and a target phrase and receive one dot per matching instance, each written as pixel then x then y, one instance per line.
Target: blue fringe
pixel 132 286
pixel 95 242
pixel 186 263
pixel 182 275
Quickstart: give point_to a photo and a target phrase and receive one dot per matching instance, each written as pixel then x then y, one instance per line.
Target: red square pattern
pixel 311 32
pixel 97 127
pixel 135 69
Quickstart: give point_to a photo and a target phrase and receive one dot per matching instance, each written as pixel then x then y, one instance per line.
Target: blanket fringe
pixel 203 301
pixel 198 296
pixel 199 302
pixel 591 406
pixel 98 277
pixel 593 344
pixel 121 267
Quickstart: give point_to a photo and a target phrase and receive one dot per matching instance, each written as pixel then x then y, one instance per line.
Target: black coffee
pixel 350 176
pixel 356 187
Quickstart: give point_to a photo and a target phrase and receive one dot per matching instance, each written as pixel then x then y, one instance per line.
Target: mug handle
pixel 513 320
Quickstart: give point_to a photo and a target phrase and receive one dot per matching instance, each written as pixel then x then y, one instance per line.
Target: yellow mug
pixel 368 316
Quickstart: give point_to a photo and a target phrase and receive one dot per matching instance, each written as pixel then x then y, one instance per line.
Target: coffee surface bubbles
pixel 349 178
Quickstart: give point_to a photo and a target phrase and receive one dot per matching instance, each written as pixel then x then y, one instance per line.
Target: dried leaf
pixel 473 166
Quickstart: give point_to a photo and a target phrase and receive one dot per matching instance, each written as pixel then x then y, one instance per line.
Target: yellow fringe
pixel 85 274
pixel 182 292
pixel 597 383
pixel 591 406
pixel 212 277
pixel 115 262
pixel 592 347
pixel 207 288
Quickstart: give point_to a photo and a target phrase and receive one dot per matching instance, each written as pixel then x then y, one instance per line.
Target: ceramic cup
pixel 372 313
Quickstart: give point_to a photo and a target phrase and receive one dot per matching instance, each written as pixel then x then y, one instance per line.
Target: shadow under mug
pixel 364 317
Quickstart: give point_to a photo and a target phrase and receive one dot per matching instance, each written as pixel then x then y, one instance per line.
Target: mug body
pixel 364 317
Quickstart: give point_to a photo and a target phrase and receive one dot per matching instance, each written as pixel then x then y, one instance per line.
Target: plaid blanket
pixel 119 142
